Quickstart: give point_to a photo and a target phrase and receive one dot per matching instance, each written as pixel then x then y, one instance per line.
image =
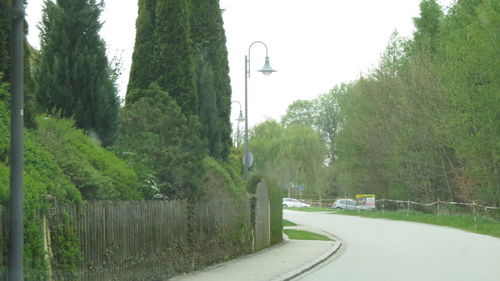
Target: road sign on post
pixel 250 160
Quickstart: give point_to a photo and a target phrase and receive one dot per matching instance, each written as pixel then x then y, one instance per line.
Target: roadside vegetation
pixel 481 225
pixel 422 125
pixel 288 223
pixel 297 234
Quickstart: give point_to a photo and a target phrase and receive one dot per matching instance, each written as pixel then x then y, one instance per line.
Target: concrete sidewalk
pixel 279 262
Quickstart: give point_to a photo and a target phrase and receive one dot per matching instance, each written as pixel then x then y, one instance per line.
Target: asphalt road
pixel 384 250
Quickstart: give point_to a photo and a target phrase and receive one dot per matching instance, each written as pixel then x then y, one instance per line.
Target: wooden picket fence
pixel 145 240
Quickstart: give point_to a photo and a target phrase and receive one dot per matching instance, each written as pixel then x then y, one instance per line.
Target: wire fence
pixel 438 207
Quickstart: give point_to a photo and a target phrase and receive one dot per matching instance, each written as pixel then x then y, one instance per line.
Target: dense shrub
pixel 221 179
pixel 44 183
pixel 96 172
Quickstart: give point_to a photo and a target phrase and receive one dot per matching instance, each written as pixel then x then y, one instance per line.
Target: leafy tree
pixel 300 112
pixel 74 78
pixel 322 114
pixel 291 156
pixel 467 58
pixel 427 25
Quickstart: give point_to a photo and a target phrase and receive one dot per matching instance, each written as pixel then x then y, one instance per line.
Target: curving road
pixel 384 250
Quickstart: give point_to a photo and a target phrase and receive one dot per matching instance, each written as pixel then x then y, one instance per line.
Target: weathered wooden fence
pixel 144 240
pixel 124 240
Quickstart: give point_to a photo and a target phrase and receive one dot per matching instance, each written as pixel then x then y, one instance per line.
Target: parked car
pixel 341 204
pixel 291 202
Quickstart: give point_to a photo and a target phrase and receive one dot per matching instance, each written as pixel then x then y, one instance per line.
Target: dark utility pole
pixel 16 241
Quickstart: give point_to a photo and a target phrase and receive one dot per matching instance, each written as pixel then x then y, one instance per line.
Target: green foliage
pixel 44 183
pixel 209 43
pixel 181 47
pixel 166 51
pixel 322 114
pixel 142 71
pixel 288 223
pixel 423 125
pixel 427 25
pixel 468 63
pixel 162 143
pixel 96 172
pixel 6 15
pixel 290 156
pixel 74 78
pixel 221 181
pixel 5 27
pixel 65 260
pixel 304 235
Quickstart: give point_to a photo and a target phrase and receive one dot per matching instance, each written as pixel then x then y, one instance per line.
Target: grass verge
pixel 466 222
pixel 304 235
pixel 288 223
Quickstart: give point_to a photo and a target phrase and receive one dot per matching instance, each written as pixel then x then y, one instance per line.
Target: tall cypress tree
pixel 181 46
pixel 142 71
pixel 174 54
pixel 210 44
pixel 163 53
pixel 74 78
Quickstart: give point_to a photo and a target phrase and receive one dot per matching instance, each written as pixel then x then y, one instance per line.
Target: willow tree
pixel 292 156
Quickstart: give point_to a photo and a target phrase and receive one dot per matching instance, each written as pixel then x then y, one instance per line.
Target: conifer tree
pixel 163 53
pixel 74 78
pixel 6 15
pixel 5 38
pixel 173 51
pixel 142 71
pixel 210 45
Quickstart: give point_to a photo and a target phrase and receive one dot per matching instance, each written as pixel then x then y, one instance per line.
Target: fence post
pixel 474 213
pixel 438 211
pixel 383 205
pixel 408 208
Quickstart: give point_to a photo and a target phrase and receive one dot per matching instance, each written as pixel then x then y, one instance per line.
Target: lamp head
pixel 267 69
pixel 240 118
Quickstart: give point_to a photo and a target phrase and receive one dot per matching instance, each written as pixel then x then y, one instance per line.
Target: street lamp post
pixel 16 205
pixel 239 119
pixel 266 70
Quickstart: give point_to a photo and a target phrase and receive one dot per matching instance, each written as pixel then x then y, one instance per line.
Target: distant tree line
pixel 425 123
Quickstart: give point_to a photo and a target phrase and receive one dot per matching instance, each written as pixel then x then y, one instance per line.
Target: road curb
pixel 315 262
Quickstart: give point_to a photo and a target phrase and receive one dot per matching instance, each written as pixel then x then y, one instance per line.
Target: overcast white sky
pixel 313 44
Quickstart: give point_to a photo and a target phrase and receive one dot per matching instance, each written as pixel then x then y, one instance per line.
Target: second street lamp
pixel 266 70
pixel 239 119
